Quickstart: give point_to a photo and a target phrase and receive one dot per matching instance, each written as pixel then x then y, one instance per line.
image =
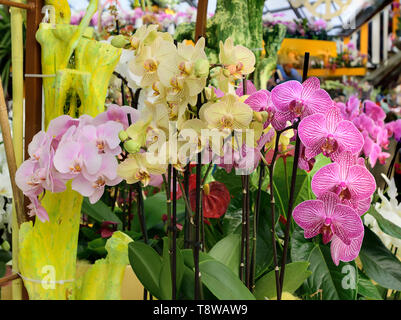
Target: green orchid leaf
pixel 147 265
pixel 295 274
pixel 222 282
pixel 228 251
pixel 327 281
pixel 379 263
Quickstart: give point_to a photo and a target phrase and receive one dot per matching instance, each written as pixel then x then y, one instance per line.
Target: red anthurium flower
pixel 107 229
pixel 192 185
pixel 215 199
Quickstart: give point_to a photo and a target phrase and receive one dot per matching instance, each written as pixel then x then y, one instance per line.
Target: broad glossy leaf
pixel 5 256
pixel 295 274
pixel 385 225
pixel 222 282
pixel 228 251
pixel 366 288
pixel 379 263
pixel 231 181
pixel 188 257
pixel 146 264
pixel 165 280
pixel 328 281
pixel 264 252
pixel 155 207
pixel 98 246
pixel 100 212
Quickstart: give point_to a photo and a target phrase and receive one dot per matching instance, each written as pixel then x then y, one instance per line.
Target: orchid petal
pixel 285 93
pixel 348 137
pixel 309 215
pixel 343 252
pixel 325 179
pixel 361 182
pixel 346 223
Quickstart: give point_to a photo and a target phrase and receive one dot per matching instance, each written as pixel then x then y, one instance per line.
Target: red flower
pixel 397 168
pixel 192 185
pixel 107 229
pixel 215 199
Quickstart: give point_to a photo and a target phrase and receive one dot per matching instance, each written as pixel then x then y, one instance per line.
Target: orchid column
pixel 72 86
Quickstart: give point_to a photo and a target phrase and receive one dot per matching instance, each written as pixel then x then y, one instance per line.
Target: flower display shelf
pixel 334 73
pixel 316 48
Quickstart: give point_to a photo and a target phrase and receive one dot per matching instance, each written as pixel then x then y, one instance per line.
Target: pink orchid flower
pixel 342 252
pixel 350 110
pixel 30 177
pixel 245 160
pixel 329 134
pixel 303 162
pixel 75 156
pixel 375 112
pixel 118 114
pixel 261 101
pixel 348 180
pixel 295 100
pixel 104 136
pixel 394 128
pixel 329 217
pixel 250 88
pixel 94 186
pixel 39 147
pixel 36 209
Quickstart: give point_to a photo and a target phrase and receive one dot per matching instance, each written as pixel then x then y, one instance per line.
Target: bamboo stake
pixel 11 277
pixel 12 166
pixel 17 4
pixel 17 57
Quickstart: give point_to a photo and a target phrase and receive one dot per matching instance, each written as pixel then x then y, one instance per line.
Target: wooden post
pixel 33 91
pixel 33 86
pixel 201 16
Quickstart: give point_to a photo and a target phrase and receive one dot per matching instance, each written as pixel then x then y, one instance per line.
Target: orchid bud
pixel 202 68
pixel 131 146
pixel 123 135
pixel 226 73
pixel 260 116
pixel 210 94
pixel 120 41
pixel 6 246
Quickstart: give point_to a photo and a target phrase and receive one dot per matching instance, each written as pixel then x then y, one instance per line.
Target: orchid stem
pixel 174 233
pixel 243 221
pixel 273 213
pixel 142 223
pixel 197 244
pixel 255 226
pixel 292 188
pixel 188 210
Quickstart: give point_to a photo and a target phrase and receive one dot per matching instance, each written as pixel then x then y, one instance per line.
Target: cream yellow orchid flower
pixel 226 115
pixel 146 64
pixel 238 60
pixel 185 77
pixel 191 133
pixel 285 138
pixel 146 35
pixel 137 168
